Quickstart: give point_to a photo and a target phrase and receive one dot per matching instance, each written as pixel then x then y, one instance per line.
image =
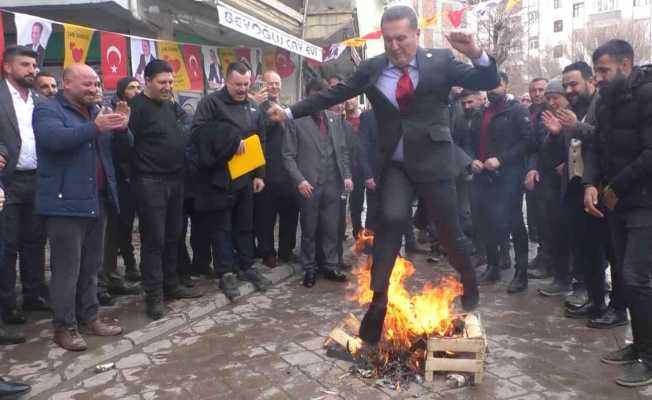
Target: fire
pixel 409 317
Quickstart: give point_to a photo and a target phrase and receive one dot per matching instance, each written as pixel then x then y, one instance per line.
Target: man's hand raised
pixel 108 121
pixel 464 42
pixel 276 113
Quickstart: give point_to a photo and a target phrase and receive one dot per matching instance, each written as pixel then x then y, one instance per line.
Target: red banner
pixel 192 58
pixel 2 38
pixel 114 58
pixel 243 54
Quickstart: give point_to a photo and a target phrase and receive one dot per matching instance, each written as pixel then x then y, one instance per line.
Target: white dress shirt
pixel 24 109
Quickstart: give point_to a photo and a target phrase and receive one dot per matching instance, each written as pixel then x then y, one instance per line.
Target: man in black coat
pixel 222 121
pixel 408 87
pixel 499 145
pixel 618 175
pixel 278 198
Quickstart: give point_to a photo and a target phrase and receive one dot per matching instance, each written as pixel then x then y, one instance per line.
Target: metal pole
pixel 303 34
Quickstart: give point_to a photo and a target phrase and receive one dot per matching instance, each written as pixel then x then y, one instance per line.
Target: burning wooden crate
pixel 460 353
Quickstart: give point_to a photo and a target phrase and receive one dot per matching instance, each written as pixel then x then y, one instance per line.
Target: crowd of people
pixel 78 171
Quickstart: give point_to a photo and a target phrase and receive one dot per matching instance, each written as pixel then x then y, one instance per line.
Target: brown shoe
pixel 69 339
pixel 270 261
pixel 99 328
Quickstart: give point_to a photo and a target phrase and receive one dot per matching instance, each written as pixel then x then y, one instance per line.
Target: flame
pixel 409 317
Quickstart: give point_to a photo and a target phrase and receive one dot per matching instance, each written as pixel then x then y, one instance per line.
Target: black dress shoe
pixel 309 279
pixel 154 308
pixel 334 275
pixel 371 327
pixel 13 389
pixel 610 319
pixel 637 374
pixel 13 315
pixel 132 274
pixel 7 338
pixel 105 299
pixel 587 310
pixel 519 283
pixel 38 303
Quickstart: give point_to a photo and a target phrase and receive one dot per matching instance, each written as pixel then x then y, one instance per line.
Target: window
pixel 559 26
pixel 558 51
pixel 606 5
pixel 557 4
pixel 578 8
pixel 638 3
pixel 533 43
pixel 533 17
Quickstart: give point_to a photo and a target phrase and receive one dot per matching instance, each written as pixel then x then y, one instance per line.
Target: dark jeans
pixel 356 205
pixel 397 192
pixel 276 200
pixel 498 202
pixel 320 227
pixel 76 251
pixel 160 210
pixel 24 241
pixel 373 207
pixel 126 222
pixel 199 241
pixel 232 232
pixel 631 231
pixel 463 187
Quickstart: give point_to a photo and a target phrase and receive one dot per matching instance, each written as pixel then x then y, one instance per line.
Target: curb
pixel 173 320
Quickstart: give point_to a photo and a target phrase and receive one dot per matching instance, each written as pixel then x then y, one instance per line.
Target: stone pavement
pixel 269 346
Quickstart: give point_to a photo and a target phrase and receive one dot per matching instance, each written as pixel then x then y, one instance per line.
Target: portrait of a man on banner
pixel 33 32
pixel 142 52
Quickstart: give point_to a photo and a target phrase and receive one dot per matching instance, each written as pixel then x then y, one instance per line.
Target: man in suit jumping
pixel 408 87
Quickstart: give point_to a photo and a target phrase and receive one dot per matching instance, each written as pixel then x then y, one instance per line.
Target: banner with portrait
pixel 33 32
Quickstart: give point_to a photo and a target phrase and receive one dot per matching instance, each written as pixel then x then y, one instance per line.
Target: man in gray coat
pixel 317 158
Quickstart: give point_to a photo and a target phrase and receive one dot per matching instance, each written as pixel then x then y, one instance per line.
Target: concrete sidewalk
pixel 269 346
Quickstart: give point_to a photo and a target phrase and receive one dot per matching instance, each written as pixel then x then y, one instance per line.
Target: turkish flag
pixel 114 58
pixel 194 66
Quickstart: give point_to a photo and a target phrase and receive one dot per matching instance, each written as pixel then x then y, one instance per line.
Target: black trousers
pixel 24 241
pixel 498 212
pixel 232 232
pixel 533 213
pixel 554 229
pixel 126 222
pixel 109 276
pixel 631 232
pixel 199 241
pixel 160 211
pixel 397 192
pixel 373 209
pixel 592 248
pixel 76 245
pixel 276 200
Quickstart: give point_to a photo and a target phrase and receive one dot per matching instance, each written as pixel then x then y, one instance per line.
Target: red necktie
pixel 404 90
pixel 319 120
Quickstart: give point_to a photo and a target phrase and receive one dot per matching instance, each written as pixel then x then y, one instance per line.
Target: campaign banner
pixel 76 41
pixel 170 52
pixel 33 32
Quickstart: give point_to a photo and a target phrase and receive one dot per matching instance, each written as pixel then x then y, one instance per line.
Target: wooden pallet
pixel 470 350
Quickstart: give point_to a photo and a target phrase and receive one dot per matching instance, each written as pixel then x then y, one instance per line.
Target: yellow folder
pixel 248 161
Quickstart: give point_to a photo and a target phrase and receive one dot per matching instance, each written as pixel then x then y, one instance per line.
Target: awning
pixel 253 27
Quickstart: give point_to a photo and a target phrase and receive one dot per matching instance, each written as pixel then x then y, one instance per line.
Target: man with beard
pixel 119 230
pixel 618 176
pixel 74 196
pixel 590 236
pixel 472 103
pixel 542 263
pixel 278 197
pixel 24 229
pixel 157 176
pixel 546 176
pixel 408 87
pixel 499 145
